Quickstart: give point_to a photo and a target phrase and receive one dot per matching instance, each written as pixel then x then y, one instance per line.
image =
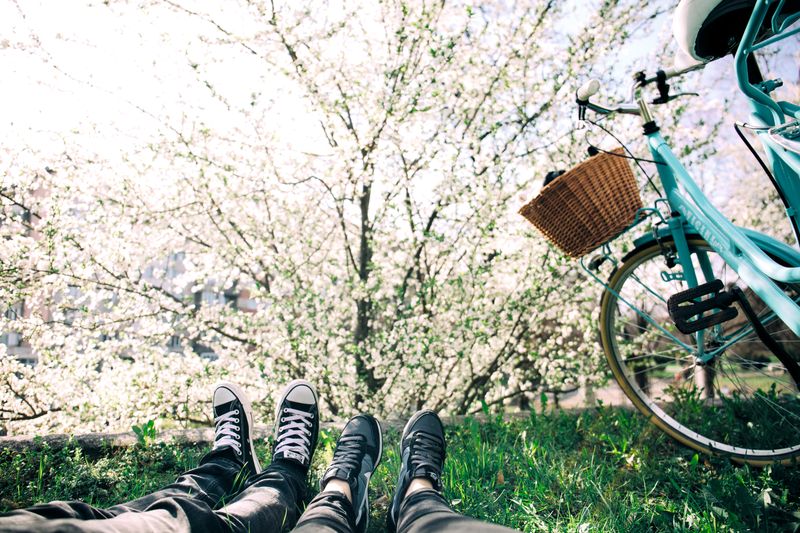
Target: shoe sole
pixel 286 390
pixel 248 413
pixel 411 422
pixel 369 476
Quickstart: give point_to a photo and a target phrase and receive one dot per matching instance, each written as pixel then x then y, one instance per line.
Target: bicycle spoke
pixel 648 289
pixel 782 411
pixel 779 409
pixel 659 354
pixel 651 331
pixel 754 367
pixel 743 398
pixel 655 367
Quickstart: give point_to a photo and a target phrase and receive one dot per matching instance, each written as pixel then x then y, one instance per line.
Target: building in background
pixel 18 219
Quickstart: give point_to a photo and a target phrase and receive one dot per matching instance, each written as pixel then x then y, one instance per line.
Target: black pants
pixel 423 511
pixel 268 502
pixel 198 501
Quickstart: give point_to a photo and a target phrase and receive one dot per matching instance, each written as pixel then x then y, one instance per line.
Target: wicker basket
pixel 587 206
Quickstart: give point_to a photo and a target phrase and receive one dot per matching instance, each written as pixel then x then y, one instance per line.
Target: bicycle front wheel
pixel 741 402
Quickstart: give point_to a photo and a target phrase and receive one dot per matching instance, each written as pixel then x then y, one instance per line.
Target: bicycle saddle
pixel 710 29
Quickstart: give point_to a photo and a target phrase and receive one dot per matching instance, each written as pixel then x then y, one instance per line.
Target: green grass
pixel 602 470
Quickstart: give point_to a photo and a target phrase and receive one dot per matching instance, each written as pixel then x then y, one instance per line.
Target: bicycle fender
pixel 765 242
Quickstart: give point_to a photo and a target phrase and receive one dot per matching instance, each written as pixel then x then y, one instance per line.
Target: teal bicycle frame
pixel 693 212
pixel 642 319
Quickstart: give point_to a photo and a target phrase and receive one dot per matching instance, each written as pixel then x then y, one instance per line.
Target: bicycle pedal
pixel 701 307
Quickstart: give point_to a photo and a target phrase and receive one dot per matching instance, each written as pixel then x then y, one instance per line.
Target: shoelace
pixel 294 433
pixel 348 455
pixel 427 452
pixel 227 431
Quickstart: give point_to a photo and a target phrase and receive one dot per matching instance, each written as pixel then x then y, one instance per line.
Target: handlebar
pixel 635 105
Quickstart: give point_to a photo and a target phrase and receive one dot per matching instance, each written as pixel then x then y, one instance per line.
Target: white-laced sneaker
pixel 296 424
pixel 233 420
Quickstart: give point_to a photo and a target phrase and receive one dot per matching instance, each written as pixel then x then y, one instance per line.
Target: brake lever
pixel 663 90
pixel 669 98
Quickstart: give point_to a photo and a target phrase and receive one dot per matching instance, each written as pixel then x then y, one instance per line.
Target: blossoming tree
pixel 352 173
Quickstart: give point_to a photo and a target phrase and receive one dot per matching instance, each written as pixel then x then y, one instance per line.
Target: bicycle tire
pixel 679 407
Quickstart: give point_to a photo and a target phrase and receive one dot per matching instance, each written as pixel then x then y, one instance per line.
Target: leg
pixel 179 514
pixel 426 511
pixel 218 475
pixel 271 501
pixel 417 504
pixel 328 512
pixel 220 472
pixel 184 506
pixel 209 483
pixel 343 506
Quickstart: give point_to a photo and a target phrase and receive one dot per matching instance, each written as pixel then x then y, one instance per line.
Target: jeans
pixel 270 502
pixel 423 511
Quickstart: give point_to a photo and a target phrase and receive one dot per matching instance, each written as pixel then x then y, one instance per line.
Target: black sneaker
pixel 356 457
pixel 296 424
pixel 422 456
pixel 233 419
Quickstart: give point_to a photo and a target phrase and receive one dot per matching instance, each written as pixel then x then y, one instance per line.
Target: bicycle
pixel 716 380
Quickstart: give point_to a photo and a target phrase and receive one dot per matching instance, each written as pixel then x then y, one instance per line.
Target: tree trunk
pixel 364 303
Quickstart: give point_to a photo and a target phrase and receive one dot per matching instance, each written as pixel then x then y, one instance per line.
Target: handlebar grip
pixel 587 90
pixel 682 66
pixel 672 72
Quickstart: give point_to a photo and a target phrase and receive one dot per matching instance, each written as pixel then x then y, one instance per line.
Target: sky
pixel 115 74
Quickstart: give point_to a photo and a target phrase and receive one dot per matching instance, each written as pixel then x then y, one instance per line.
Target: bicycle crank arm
pixel 791 365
